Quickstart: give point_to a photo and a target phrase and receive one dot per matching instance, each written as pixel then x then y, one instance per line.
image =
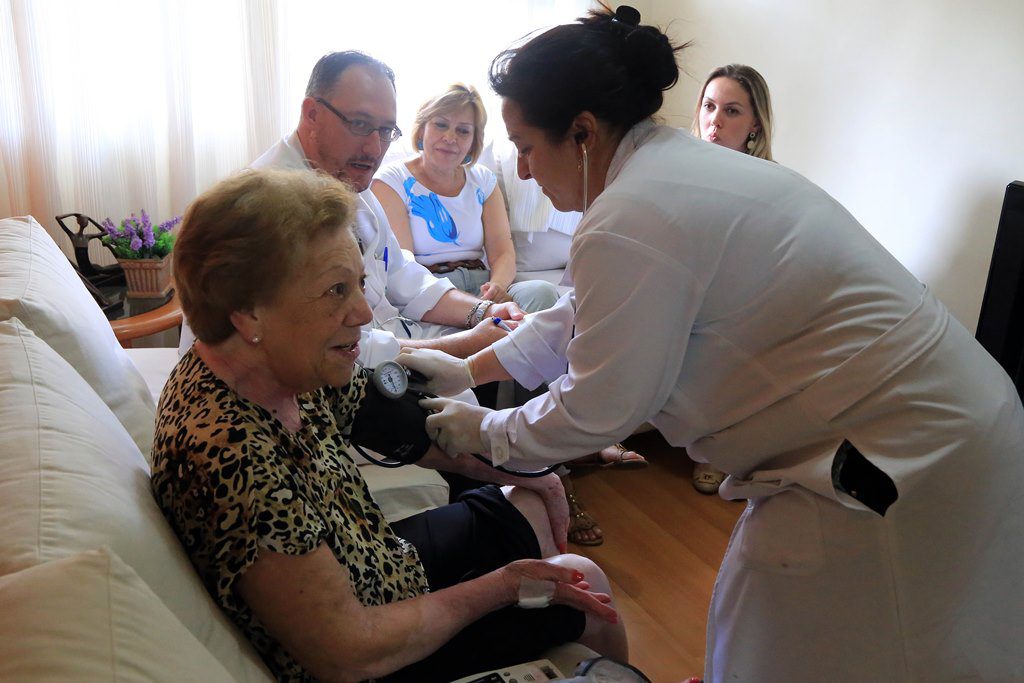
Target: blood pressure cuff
pixel 395 428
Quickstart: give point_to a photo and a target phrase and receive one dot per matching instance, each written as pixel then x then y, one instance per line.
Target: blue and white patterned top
pixel 443 228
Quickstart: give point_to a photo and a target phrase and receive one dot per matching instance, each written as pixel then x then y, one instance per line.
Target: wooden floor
pixel 663 544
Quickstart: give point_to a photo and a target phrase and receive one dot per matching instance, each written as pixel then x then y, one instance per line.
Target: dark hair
pixel 605 63
pixel 244 236
pixel 329 68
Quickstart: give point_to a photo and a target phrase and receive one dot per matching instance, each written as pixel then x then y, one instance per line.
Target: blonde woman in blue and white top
pixel 447 210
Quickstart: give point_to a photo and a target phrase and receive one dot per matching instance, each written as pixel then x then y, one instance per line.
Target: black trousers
pixel 477 534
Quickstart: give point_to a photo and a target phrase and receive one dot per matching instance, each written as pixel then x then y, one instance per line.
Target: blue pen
pixel 385 258
pixel 501 323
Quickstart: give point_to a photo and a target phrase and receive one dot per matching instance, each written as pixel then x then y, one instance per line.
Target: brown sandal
pixel 618 461
pixel 580 521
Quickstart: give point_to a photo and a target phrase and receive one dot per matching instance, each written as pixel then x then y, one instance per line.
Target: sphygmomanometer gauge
pixel 391 379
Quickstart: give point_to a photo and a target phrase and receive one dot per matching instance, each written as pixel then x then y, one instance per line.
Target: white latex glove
pixel 455 426
pixel 446 375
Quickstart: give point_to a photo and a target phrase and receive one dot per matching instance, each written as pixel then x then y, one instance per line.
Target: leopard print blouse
pixel 232 481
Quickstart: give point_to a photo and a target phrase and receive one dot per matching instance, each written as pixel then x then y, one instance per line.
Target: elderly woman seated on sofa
pixel 251 467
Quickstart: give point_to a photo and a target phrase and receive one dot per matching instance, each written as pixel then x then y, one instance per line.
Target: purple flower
pixel 168 225
pixel 146 231
pixel 136 237
pixel 109 227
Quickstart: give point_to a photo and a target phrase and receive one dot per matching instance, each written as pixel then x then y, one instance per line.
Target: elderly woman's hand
pixel 570 587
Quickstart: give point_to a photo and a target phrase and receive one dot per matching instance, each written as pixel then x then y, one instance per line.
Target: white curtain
pixel 108 106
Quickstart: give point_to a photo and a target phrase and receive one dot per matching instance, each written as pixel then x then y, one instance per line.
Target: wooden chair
pixel 159 319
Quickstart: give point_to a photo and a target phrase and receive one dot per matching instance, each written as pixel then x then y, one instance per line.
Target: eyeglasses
pixel 363 128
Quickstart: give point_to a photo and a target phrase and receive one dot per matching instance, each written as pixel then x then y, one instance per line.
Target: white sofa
pixel 76 424
pixel 93 582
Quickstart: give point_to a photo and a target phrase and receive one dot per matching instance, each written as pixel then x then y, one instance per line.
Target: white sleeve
pixel 394 175
pixel 534 352
pixel 410 287
pixel 635 309
pixel 485 179
pixel 377 346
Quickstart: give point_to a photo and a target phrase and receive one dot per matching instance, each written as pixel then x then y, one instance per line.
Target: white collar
pixel 293 143
pixel 631 141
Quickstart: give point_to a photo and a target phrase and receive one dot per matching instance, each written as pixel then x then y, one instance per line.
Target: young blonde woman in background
pixel 734 110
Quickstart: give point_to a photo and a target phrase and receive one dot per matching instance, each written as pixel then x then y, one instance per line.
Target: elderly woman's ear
pixel 247 324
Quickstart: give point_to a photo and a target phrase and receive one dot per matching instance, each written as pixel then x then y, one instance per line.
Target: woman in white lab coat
pixel 747 316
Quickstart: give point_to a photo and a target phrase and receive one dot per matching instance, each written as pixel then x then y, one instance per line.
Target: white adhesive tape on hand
pixel 535 593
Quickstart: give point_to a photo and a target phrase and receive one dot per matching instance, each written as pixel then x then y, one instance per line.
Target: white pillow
pixel 537 251
pixel 39 286
pixel 155 366
pixel 71 479
pixel 91 618
pixel 402 492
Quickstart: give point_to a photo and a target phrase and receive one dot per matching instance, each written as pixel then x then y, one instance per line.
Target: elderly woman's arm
pixel 501 253
pixel 548 487
pixel 307 603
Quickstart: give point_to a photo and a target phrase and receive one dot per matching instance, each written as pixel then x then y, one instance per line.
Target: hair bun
pixel 605 63
pixel 650 57
pixel 627 15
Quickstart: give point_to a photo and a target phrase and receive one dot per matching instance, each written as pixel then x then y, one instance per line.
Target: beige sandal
pixel 706 478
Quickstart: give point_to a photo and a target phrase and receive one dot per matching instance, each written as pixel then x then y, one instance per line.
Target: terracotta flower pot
pixel 147 277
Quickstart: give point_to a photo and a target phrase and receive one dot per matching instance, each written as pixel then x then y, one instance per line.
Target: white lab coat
pixel 750 318
pixel 398 289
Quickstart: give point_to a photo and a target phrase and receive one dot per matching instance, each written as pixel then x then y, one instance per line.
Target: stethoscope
pixel 392 380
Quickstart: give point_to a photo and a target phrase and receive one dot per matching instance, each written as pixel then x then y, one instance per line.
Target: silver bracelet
pixel 481 311
pixel 478 313
pixel 469 316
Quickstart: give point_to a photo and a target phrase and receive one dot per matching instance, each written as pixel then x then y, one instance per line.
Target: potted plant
pixel 143 251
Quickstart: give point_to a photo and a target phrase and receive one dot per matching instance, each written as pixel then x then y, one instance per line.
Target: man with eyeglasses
pixel 346 125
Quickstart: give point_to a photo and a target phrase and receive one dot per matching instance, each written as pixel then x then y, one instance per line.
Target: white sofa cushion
pixel 536 251
pixel 91 618
pixel 401 492
pixel 39 286
pixel 71 479
pixel 155 366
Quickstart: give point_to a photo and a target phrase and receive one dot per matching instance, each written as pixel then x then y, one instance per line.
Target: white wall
pixel 910 113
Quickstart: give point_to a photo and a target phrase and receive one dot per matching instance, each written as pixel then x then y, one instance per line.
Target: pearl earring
pixel 256 339
pixel 750 140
